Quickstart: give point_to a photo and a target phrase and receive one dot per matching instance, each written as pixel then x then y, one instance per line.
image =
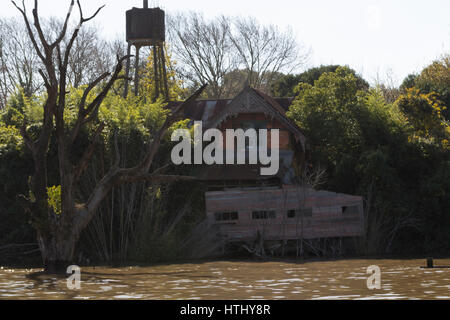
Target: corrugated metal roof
pixel 205 110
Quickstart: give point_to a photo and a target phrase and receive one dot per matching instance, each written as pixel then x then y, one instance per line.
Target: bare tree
pixel 265 51
pixel 233 83
pixel 203 48
pixel 387 85
pixel 58 233
pixel 226 52
pixel 3 72
pixel 18 61
pixel 90 56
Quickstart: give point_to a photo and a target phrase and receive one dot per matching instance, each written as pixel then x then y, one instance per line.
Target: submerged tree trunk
pixel 57 235
pixel 57 251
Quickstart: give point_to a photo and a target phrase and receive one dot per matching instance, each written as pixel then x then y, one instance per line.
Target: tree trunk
pixel 57 251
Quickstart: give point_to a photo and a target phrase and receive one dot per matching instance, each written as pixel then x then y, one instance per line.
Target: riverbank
pixel 36 262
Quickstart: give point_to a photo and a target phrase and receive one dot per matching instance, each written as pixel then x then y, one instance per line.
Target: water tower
pixel 146 27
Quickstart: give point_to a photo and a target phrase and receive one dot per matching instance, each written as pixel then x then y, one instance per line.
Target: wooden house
pixel 243 207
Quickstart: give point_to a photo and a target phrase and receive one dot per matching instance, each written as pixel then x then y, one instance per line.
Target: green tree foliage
pixel 54 199
pixel 425 114
pixel 434 79
pixel 15 167
pixel 368 147
pixel 324 111
pixel 285 86
pixel 408 82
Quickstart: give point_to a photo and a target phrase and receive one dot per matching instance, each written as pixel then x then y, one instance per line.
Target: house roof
pixel 211 112
pixel 207 109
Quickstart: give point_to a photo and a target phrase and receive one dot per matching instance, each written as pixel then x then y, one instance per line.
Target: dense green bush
pixel 376 149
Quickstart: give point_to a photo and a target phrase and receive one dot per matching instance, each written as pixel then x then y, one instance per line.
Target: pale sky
pixel 372 36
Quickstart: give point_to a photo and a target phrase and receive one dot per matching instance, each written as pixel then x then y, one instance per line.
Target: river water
pixel 228 280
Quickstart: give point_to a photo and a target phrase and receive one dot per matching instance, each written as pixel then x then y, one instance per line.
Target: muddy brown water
pixel 224 280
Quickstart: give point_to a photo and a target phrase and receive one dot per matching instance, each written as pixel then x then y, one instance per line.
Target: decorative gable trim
pixel 249 101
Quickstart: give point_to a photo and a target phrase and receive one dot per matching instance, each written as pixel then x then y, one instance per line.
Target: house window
pixel 291 214
pixel 305 213
pixel 226 216
pixel 350 210
pixel 263 215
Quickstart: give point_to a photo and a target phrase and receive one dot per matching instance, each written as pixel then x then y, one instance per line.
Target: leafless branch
pixel 82 19
pixel 64 29
pixel 44 77
pixel 30 31
pixel 87 114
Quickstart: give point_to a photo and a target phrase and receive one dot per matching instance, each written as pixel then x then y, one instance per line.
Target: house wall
pixel 325 219
pixel 235 123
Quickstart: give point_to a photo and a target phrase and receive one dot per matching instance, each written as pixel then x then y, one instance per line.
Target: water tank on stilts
pixel 146 27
